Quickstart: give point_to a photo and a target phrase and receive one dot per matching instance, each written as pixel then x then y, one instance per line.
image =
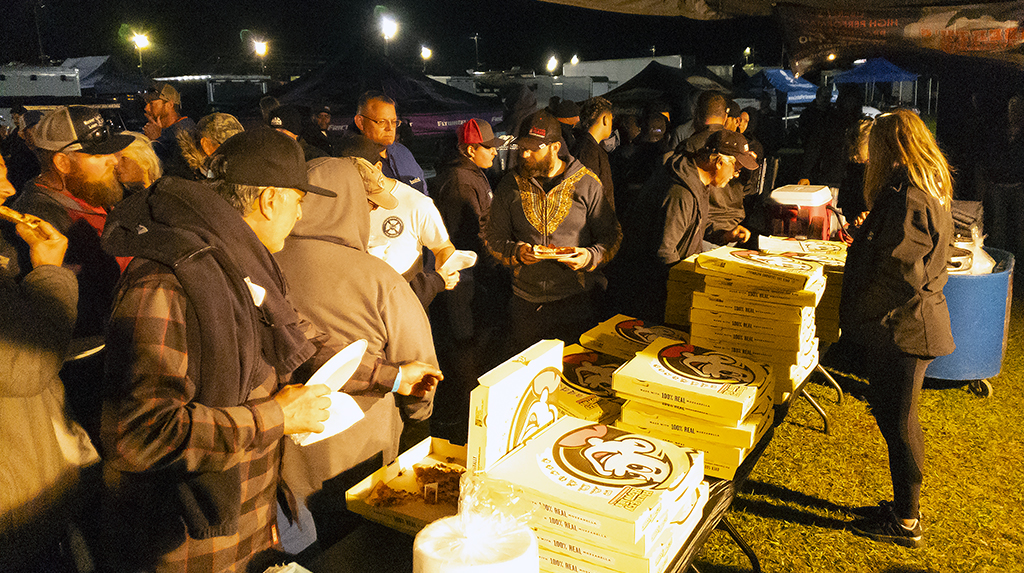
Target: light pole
pixel 388 29
pixel 260 47
pixel 476 50
pixel 141 42
pixel 425 53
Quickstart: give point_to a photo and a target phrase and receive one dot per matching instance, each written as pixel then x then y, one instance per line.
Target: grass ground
pixel 790 509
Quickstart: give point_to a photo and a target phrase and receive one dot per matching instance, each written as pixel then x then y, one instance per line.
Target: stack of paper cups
pixel 474 544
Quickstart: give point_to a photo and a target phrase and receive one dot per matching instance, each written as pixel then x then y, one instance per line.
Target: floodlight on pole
pixel 388 29
pixel 260 47
pixel 552 64
pixel 575 59
pixel 425 53
pixel 141 42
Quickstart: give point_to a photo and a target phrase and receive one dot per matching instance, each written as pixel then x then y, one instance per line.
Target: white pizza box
pixel 802 330
pixel 513 402
pixel 602 484
pixel 413 515
pixel 673 423
pixel 701 380
pixel 831 254
pixel 775 270
pixel 622 336
pixel 747 336
pixel 678 316
pixel 797 373
pixel 586 388
pixel 572 402
pixel 718 464
pixel 685 271
pixel 714 451
pixel 563 552
pixel 755 351
pixel 761 310
pixel 723 285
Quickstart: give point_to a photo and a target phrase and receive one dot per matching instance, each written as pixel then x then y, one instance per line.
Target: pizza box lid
pixel 802 195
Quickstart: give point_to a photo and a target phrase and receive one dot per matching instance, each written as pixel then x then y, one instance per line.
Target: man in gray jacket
pixel 550 200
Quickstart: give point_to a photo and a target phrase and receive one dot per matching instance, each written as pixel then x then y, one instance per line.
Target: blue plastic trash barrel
pixel 979 312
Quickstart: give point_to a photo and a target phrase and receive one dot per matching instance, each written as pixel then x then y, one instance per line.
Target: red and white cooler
pixel 801 211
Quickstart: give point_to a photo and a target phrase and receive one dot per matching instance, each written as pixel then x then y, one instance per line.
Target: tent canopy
pixel 797 90
pixel 430 107
pixel 107 75
pixel 674 86
pixel 874 70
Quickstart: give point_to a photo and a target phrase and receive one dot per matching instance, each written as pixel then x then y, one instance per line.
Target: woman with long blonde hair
pixel 892 308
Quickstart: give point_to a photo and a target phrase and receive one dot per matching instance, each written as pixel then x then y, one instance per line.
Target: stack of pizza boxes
pixel 760 306
pixel 700 398
pixel 683 282
pixel 832 255
pixel 605 500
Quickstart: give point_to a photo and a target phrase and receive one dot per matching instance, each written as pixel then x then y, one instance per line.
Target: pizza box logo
pixel 705 365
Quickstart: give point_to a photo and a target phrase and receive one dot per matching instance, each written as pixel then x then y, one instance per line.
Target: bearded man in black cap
pixel 201 349
pixel 551 223
pixel 77 187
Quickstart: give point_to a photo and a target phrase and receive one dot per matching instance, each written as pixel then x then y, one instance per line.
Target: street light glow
pixel 260 48
pixel 141 41
pixel 425 52
pixel 575 60
pixel 831 56
pixel 388 27
pixel 552 64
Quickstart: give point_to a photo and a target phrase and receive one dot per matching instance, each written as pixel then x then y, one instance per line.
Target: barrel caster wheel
pixel 981 388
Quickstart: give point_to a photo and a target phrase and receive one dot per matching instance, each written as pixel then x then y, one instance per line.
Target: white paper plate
pixel 336 371
pixel 459 260
pixel 344 412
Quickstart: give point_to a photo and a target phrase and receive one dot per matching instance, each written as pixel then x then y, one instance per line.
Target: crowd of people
pixel 223 265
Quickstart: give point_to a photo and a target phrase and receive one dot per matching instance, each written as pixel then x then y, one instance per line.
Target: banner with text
pixel 985 30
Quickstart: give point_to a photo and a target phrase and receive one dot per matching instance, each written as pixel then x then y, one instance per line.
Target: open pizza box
pixel 513 402
pixel 413 513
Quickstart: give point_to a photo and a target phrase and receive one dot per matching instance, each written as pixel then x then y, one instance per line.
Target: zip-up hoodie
pixel 575 213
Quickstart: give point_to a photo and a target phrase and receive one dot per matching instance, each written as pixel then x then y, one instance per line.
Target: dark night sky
pixel 512 32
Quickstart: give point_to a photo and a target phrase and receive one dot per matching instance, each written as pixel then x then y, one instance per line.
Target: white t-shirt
pixel 398 235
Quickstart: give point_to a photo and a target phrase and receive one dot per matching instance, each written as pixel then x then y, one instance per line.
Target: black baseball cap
pixel 286 117
pixel 78 128
pixel 538 130
pixel 728 142
pixel 266 158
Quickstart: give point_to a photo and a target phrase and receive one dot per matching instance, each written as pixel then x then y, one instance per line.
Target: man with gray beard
pixel 73 193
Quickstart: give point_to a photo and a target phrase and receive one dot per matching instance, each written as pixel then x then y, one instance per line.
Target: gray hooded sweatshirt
pixel 351 295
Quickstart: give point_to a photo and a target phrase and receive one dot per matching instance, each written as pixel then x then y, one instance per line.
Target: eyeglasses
pixel 394 123
pixel 94 136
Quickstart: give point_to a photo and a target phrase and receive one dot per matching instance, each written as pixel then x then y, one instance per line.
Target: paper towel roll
pixel 474 544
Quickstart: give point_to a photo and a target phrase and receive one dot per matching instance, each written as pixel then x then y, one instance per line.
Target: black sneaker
pixel 870 511
pixel 889 528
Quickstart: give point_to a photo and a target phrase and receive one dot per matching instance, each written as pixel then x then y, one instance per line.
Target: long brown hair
pixel 901 139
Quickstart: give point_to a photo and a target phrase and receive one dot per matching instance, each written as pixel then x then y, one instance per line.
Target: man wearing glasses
pixel 377 119
pixel 73 193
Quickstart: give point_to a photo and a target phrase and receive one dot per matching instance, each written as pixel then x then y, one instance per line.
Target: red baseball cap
pixel 478 132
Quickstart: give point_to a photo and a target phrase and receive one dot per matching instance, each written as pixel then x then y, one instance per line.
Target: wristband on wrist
pixel 398 381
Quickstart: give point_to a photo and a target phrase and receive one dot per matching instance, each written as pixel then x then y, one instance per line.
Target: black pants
pixel 564 319
pixel 896 379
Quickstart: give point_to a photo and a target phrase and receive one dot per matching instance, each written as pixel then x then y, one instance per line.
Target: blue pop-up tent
pixel 874 70
pixel 797 90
